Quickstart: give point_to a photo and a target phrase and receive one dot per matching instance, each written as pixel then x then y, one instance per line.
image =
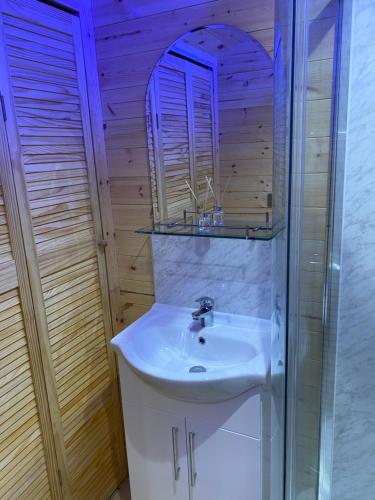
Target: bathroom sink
pixel 185 361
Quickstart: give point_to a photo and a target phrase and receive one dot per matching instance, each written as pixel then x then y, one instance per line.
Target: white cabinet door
pixel 222 464
pixel 156 448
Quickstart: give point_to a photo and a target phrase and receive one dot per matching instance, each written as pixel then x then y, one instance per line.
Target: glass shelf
pixel 235 226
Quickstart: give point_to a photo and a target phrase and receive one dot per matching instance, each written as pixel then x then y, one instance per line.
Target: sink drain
pixel 197 369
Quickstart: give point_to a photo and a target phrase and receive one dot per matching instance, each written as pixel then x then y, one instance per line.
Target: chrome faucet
pixel 205 313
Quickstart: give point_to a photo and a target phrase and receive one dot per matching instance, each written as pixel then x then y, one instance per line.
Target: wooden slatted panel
pixel 47 82
pixel 5 250
pixel 174 138
pixel 204 134
pixel 184 145
pixel 75 320
pixel 23 472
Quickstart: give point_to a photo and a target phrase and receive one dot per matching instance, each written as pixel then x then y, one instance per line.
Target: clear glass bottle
pixel 218 216
pixel 204 222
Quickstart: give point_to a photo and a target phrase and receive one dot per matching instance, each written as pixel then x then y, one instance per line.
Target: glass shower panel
pixel 320 37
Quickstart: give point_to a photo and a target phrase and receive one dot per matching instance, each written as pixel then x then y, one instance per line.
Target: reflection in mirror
pixel 210 128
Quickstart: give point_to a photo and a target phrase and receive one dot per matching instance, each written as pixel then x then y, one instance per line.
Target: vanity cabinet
pixel 170 456
pixel 156 447
pixel 226 464
pixel 185 451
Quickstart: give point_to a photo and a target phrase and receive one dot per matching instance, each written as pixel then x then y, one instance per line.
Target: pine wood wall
pixel 245 91
pixel 130 38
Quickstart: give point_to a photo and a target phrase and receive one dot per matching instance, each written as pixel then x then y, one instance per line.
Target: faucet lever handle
pixel 206 302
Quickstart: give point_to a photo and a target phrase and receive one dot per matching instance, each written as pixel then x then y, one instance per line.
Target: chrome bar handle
pixel 192 472
pixel 176 467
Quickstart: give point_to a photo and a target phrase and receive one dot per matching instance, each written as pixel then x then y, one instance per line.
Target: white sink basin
pixel 170 351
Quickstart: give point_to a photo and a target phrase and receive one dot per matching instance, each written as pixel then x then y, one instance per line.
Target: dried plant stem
pixel 192 192
pixel 208 180
pixel 206 198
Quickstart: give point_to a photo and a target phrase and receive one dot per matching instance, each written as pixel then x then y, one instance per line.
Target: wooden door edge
pixel 107 257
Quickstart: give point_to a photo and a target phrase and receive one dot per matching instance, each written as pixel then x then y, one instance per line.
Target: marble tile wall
pixel 235 273
pixel 354 398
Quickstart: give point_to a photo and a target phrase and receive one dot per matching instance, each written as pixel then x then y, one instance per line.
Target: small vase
pixel 218 216
pixel 204 222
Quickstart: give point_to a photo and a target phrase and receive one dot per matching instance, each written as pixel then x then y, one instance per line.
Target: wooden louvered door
pixel 28 466
pixel 173 158
pixel 49 133
pixel 184 134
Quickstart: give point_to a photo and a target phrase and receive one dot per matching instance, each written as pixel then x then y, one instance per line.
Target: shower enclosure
pixel 306 62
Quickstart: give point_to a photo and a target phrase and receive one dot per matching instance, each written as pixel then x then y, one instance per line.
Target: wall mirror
pixel 210 133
